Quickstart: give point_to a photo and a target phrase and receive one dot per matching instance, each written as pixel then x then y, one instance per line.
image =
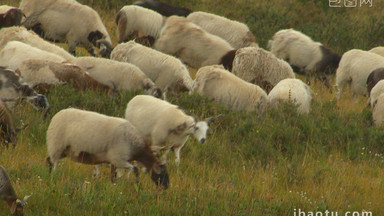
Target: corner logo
pixel 350 3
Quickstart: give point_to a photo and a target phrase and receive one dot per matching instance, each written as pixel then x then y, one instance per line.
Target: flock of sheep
pixel 155 43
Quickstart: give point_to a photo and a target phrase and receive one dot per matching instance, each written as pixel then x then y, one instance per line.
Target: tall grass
pixel 253 163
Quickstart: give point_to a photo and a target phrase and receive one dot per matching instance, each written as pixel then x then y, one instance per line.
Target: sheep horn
pixel 212 118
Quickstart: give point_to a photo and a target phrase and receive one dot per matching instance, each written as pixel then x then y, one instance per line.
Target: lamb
pixel 293 91
pixel 355 67
pixel 93 138
pixel 236 94
pixel 236 33
pixel 138 21
pixel 258 66
pixel 122 75
pixel 303 54
pixel 65 21
pixel 8 194
pixel 193 45
pixel 167 126
pixel 45 73
pixel 21 34
pixel 373 78
pixel 377 50
pixel 164 8
pixel 377 110
pixel 15 52
pixel 167 72
pixel 10 16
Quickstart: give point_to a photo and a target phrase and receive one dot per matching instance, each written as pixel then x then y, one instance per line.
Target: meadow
pixel 270 163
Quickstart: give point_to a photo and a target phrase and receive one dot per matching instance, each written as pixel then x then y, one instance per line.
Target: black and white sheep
pixel 165 124
pixel 293 91
pixel 374 77
pixel 121 75
pixel 303 54
pixel 164 8
pixel 236 94
pixel 236 33
pixel 166 71
pixel 93 138
pixel 8 194
pixel 65 21
pixel 29 37
pixel 378 110
pixel 258 66
pixel 10 16
pixel 355 67
pixel 136 21
pixel 193 45
pixel 377 90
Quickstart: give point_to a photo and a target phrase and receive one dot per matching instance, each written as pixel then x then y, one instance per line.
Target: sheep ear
pixel 212 118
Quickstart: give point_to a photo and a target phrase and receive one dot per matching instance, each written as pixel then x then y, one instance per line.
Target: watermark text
pixel 350 3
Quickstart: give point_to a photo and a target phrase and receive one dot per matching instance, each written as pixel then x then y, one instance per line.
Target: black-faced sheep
pixel 236 33
pixel 167 126
pixel 164 8
pixel 236 94
pixel 10 16
pixel 355 67
pixel 8 194
pixel 92 138
pixel 258 66
pixel 377 90
pixel 374 77
pixel 29 37
pixel 193 45
pixel 136 21
pixel 303 54
pixel 121 75
pixel 65 21
pixel 166 71
pixel 293 91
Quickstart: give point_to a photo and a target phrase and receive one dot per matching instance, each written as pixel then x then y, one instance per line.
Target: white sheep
pixel 293 91
pixel 167 126
pixel 122 75
pixel 355 67
pixel 65 21
pixel 378 110
pixel 93 138
pixel 8 194
pixel 258 66
pixel 302 53
pixel 236 94
pixel 138 21
pixel 375 92
pixel 29 37
pixel 15 52
pixel 193 45
pixel 166 71
pixel 236 33
pixel 377 50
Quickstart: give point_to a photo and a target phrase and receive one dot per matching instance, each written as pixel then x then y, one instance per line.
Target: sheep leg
pixel 96 171
pixel 125 165
pixel 113 173
pixel 177 155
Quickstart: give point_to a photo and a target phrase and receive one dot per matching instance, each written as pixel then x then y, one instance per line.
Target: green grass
pixel 252 163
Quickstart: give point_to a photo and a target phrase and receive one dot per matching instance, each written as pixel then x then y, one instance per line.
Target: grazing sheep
pixel 236 94
pixel 165 71
pixel 12 89
pixel 303 54
pixel 375 92
pixel 378 110
pixel 138 21
pixel 355 67
pixel 93 138
pixel 167 126
pixel 8 194
pixel 122 75
pixel 164 8
pixel 15 52
pixel 65 21
pixel 236 33
pixel 10 16
pixel 45 73
pixel 29 37
pixel 193 45
pixel 377 50
pixel 293 91
pixel 374 77
pixel 258 66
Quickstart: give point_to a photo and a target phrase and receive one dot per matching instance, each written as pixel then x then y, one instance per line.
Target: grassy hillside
pixel 252 163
